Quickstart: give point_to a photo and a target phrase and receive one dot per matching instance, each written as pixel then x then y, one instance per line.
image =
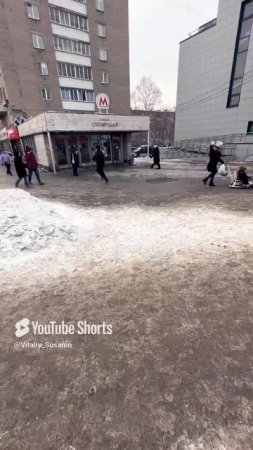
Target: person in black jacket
pixel 74 160
pixel 20 168
pixel 215 157
pixel 100 161
pixel 156 158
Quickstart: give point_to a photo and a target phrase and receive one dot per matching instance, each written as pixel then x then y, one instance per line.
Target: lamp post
pixel 148 143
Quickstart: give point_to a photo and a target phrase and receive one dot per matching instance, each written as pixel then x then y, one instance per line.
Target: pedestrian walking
pixel 32 165
pixel 215 157
pixel 74 161
pixel 20 168
pixel 6 161
pixel 156 158
pixel 100 161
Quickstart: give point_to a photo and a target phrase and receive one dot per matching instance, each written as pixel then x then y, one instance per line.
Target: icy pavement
pixel 60 235
pixel 170 267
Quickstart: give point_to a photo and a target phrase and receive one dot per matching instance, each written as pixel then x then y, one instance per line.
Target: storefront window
pixel 116 145
pixel 95 140
pixel 110 144
pixel 84 149
pixel 60 150
pixel 105 144
pixel 72 143
pixel 106 147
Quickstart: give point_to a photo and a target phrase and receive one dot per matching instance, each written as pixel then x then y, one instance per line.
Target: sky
pixel 156 28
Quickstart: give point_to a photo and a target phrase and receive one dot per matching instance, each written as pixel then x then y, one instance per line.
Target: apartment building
pixel 64 80
pixel 215 82
pixel 58 55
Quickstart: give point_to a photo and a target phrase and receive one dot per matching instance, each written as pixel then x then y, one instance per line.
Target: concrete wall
pixel 205 66
pixel 41 150
pixel 36 125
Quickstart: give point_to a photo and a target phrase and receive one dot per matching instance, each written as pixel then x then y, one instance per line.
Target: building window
pixel 104 78
pixel 100 5
pixel 42 68
pixel 46 94
pixel 33 11
pixel 77 95
pixel 38 41
pixel 250 127
pixel 102 54
pixel 71 46
pixel 74 71
pixel 101 30
pixel 241 53
pixel 68 18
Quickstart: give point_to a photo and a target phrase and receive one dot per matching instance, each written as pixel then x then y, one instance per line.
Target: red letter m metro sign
pixel 102 101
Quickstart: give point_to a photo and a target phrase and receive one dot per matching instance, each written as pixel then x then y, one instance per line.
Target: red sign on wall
pixel 102 101
pixel 13 134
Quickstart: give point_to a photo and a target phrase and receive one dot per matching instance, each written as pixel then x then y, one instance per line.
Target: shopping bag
pixel 222 171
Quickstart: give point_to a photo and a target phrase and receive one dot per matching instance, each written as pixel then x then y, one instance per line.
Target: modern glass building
pixel 215 82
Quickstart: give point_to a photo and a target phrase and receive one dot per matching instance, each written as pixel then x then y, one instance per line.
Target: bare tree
pixel 134 103
pixel 146 96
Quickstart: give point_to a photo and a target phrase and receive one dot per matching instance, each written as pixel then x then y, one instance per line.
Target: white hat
pixel 218 144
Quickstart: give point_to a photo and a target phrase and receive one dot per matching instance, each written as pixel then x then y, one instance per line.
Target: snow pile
pixel 29 225
pixel 107 237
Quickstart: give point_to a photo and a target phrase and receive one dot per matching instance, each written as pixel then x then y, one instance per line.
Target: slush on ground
pixel 166 262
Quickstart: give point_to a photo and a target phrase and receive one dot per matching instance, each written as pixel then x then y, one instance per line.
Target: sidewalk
pixel 164 260
pixel 178 181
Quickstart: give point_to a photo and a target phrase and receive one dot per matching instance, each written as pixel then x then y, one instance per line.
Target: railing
pixel 183 153
pixel 236 147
